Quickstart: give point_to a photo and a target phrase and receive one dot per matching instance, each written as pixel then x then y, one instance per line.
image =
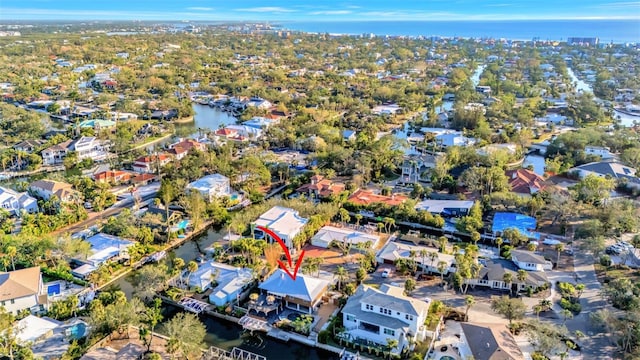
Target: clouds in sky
pixel 298 10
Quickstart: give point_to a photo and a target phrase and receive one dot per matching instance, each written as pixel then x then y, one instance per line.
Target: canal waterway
pixel 205 118
pixel 582 86
pixel 221 333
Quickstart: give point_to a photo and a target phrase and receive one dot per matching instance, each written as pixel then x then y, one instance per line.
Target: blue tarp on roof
pixel 525 224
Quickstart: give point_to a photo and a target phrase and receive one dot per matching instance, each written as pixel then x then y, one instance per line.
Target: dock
pixel 214 353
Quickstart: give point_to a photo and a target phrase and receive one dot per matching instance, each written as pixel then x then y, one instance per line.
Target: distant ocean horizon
pixel 608 31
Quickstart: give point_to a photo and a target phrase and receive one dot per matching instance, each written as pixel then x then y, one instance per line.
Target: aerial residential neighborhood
pixel 244 191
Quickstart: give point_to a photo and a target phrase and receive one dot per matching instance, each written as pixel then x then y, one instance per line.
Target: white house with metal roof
pixel 226 281
pixel 211 186
pixel 104 248
pixel 285 222
pixel 527 260
pixel 14 202
pixel 303 294
pixel 329 234
pixel 377 315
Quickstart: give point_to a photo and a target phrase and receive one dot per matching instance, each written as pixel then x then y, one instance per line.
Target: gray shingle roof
pixel 528 257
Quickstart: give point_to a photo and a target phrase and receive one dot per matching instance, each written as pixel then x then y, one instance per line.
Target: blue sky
pixel 328 10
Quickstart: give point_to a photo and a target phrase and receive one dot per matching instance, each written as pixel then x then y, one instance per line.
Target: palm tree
pixel 508 279
pixel 469 301
pixel 423 255
pixel 545 304
pixel 341 275
pixel 442 266
pixel 522 276
pixel 559 248
pixel 442 242
pixel 358 218
pixel 391 344
pixel 380 227
pixel 192 267
pixel 566 314
pixel 499 242
pixel 12 251
pixel 537 309
pixel 412 257
pixel 433 256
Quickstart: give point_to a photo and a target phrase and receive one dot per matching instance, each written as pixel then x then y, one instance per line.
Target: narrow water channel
pixel 224 334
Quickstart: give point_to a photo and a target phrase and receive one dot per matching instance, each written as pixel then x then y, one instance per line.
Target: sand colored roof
pixel 50 185
pixel 367 197
pixel 19 283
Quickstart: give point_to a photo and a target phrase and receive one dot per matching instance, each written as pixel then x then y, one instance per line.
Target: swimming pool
pixel 234 197
pixel 182 224
pixel 77 331
pixel 446 357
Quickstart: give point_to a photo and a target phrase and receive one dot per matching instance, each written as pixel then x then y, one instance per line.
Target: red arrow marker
pixel 286 252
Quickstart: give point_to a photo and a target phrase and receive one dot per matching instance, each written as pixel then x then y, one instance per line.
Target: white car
pixel 551 242
pixel 386 273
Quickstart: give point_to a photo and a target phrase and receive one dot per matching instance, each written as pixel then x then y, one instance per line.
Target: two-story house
pixel 45 189
pixel 415 166
pixel 28 146
pixel 284 222
pixel 89 147
pixel 377 315
pixel 211 186
pixel 148 164
pixel 22 290
pixel 527 260
pixel 319 187
pixel 14 202
pixel 180 149
pixel 55 154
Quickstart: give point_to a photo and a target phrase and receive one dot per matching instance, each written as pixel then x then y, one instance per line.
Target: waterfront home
pixel 525 182
pixel 22 290
pixel 15 202
pixel 89 147
pixel 527 260
pixel 377 315
pixel 612 169
pixel 149 164
pixel 492 275
pixel 97 124
pixel 284 222
pixel 368 197
pixel 416 168
pixel 45 189
pixel 488 341
pixel 393 251
pixel 448 208
pixel 259 122
pixel 54 155
pixel 345 235
pixel 104 248
pixel 180 149
pixel 320 187
pixel 211 186
pixel 259 103
pixel 487 150
pixel 454 139
pixel 226 282
pixel 603 152
pixel 47 338
pixel 28 146
pixel 112 177
pixel 388 109
pixel 303 294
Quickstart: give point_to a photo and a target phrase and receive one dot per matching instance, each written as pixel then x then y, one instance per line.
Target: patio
pixel 263 304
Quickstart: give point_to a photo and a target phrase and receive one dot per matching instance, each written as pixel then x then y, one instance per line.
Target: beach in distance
pixel 616 31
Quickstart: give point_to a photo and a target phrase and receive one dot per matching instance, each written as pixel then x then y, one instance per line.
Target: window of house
pixel 351 318
pixel 389 332
pixel 13 301
pixel 408 317
pixel 368 307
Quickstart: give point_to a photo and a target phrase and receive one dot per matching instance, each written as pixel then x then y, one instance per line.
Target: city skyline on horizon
pixel 291 11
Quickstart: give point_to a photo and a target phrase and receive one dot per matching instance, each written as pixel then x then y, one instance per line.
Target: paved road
pixel 596 345
pixel 95 217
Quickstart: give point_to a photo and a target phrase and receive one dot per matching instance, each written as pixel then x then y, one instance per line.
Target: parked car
pixel 386 273
pixel 87 205
pixel 551 242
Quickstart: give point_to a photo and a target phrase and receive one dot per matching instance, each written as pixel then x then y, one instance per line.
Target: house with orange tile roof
pixel 147 164
pixel 525 182
pixel 319 187
pixel 144 179
pixel 368 197
pixel 180 149
pixel 112 176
